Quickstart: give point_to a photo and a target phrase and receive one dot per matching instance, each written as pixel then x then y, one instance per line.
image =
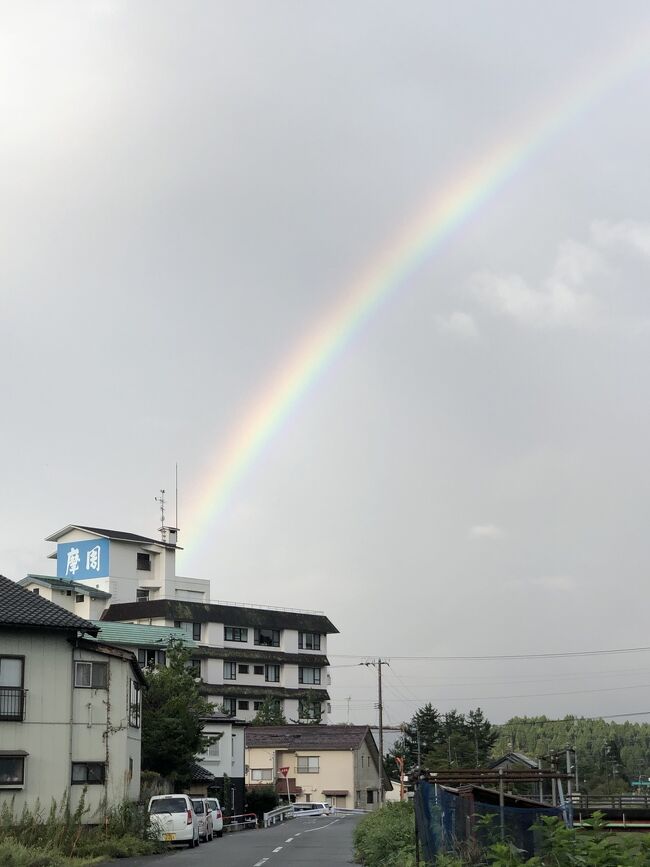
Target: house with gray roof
pixel 70 708
pixel 335 763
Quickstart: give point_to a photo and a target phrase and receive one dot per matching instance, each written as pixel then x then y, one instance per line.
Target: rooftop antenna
pixel 161 500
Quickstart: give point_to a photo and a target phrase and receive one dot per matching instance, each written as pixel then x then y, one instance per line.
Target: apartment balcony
pixel 12 703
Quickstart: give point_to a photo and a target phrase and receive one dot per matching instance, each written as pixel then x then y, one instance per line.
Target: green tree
pixel 269 714
pixel 172 717
pixel 423 728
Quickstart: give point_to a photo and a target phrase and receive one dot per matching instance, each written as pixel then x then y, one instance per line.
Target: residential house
pixel 221 770
pixel 335 763
pixel 70 708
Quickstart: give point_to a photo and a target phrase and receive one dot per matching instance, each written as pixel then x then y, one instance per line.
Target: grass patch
pixel 59 838
pixel 386 838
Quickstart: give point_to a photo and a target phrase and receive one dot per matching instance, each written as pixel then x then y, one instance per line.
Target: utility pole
pixel 380 706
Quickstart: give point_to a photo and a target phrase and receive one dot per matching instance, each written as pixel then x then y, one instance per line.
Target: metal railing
pixel 240 821
pixel 280 814
pixel 264 607
pixel 12 703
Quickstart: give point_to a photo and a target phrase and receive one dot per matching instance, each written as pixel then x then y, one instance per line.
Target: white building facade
pixel 245 654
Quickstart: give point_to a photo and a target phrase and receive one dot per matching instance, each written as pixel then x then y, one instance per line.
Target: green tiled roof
pixel 140 635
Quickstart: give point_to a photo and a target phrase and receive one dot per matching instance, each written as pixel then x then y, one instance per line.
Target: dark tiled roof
pixel 199 774
pixel 228 690
pixel 117 535
pixel 22 609
pixel 316 737
pixel 261 656
pixel 230 615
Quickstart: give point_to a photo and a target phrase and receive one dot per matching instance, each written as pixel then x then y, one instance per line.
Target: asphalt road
pixel 325 841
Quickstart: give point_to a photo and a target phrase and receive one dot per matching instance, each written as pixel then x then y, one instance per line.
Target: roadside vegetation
pixel 386 838
pixel 57 837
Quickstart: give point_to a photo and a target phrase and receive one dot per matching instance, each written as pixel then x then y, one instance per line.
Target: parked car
pixel 312 808
pixel 174 819
pixel 204 815
pixel 217 816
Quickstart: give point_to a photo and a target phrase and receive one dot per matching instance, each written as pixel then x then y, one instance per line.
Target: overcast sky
pixel 186 188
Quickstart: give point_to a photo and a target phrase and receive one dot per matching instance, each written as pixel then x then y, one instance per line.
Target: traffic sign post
pixel 285 774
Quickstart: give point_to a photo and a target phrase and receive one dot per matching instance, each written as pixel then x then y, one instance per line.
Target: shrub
pixel 386 838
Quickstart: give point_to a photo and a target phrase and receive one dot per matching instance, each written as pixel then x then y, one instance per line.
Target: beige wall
pixel 338 770
pixel 64 724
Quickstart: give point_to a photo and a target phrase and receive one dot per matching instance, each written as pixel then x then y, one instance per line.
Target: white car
pixel 204 815
pixel 217 816
pixel 174 819
pixel 312 808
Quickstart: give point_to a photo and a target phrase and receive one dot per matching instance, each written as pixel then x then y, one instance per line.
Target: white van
pixel 174 820
pixel 312 808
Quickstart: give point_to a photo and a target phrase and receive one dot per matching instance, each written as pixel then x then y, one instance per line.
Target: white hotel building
pixel 244 654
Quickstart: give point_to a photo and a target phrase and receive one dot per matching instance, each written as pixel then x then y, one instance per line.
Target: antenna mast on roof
pixel 161 500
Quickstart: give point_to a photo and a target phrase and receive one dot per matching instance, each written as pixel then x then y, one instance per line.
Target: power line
pixel 559 655
pixel 462 698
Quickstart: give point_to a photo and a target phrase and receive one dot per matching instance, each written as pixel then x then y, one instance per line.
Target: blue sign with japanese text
pixel 79 560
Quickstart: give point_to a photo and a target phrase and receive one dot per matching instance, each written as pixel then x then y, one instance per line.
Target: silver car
pixel 204 815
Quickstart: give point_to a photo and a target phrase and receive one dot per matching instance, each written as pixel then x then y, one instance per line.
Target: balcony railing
pixel 12 703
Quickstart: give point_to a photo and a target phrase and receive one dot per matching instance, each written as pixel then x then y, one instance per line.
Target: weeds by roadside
pixel 58 837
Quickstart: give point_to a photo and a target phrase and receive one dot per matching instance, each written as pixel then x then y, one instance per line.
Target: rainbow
pixel 443 214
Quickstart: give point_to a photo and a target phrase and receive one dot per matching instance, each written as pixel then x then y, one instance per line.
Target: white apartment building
pixel 70 708
pixel 245 654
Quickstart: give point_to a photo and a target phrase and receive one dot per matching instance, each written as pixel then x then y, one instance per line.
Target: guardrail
pixel 280 814
pixel 611 802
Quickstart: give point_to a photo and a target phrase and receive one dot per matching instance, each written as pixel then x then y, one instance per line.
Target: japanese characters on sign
pixel 79 560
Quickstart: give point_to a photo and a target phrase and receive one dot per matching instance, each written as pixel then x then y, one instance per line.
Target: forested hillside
pixel 610 754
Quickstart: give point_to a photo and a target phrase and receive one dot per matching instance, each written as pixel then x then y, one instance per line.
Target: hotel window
pixel 309 640
pixel 144 562
pixel 12 770
pixel 230 671
pixel 235 633
pixel 192 629
pixel 142 594
pixel 260 774
pixel 151 658
pixel 213 749
pixel 243 669
pixel 308 764
pixel 309 675
pixel 257 705
pixel 229 706
pixel 91 675
pixel 258 669
pixel 308 709
pixel 272 674
pixel 267 637
pixel 88 773
pixel 243 704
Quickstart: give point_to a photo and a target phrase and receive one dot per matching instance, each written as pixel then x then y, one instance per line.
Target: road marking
pixel 289 840
pixel 277 849
pixel 259 863
pixel 320 827
pixel 297 834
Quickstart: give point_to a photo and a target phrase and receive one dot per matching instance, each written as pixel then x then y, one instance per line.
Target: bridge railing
pixel 280 814
pixel 610 802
